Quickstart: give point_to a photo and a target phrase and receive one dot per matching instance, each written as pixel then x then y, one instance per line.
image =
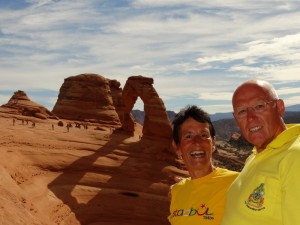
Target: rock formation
pixel 20 104
pixel 88 97
pixel 116 93
pixel 94 98
pixel 156 123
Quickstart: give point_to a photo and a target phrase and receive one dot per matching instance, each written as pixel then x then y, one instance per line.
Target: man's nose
pixel 251 112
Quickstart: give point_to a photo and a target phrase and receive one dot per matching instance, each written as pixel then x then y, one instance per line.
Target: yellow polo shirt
pixel 267 191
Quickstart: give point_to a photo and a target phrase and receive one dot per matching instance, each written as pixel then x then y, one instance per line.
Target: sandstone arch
pixel 156 123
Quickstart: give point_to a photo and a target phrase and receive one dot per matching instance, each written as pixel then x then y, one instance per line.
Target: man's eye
pixel 241 111
pixel 259 107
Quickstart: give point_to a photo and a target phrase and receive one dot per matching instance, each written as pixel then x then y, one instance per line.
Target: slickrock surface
pixel 49 176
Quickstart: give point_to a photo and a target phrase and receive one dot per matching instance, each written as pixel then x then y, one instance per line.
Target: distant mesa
pixel 20 104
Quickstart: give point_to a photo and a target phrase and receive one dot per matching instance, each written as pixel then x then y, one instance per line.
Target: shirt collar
pixel 284 137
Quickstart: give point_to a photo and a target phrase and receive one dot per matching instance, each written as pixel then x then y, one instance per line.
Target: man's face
pixel 196 145
pixel 258 126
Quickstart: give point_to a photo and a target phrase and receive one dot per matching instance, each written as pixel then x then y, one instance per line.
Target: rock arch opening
pixel 138 111
pixel 156 121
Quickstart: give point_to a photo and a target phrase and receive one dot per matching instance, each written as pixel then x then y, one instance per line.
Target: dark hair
pixel 191 111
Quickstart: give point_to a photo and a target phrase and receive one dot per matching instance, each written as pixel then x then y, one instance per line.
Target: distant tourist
pixel 267 191
pixel 68 126
pixel 200 198
pixel 14 121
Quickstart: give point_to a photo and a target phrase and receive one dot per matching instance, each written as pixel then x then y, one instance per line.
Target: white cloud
pixel 199 49
pixel 288 91
pixel 292 100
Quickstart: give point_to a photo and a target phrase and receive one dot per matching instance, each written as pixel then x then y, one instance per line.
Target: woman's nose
pixel 197 139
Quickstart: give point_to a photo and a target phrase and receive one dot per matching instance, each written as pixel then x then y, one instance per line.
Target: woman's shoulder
pixel 223 172
pixel 181 183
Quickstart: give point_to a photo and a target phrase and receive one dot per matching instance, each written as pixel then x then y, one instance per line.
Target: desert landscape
pixel 60 170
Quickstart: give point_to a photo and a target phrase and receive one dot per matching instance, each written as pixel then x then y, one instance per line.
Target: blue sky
pixel 197 52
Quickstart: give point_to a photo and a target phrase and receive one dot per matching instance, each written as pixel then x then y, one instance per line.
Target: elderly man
pixel 267 191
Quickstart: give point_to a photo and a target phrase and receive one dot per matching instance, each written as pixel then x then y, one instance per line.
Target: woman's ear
pixel 176 149
pixel 214 140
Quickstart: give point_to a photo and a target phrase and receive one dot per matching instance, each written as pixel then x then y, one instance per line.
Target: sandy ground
pixel 49 176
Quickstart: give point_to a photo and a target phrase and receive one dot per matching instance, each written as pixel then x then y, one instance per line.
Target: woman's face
pixel 196 145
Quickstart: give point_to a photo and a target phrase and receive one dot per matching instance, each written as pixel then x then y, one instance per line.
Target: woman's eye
pixel 204 136
pixel 188 136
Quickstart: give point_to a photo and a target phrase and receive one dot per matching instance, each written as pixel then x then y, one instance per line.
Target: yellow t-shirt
pixel 200 201
pixel 267 191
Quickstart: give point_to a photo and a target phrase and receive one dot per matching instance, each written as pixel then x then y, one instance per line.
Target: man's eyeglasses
pixel 258 107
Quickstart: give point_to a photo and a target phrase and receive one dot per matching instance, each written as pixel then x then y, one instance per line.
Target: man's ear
pixel 176 149
pixel 280 107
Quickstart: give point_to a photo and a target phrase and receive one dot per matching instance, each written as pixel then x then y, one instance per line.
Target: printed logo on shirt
pixel 203 211
pixel 256 199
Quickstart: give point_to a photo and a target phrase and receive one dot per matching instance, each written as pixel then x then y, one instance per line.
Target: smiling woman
pixel 200 198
